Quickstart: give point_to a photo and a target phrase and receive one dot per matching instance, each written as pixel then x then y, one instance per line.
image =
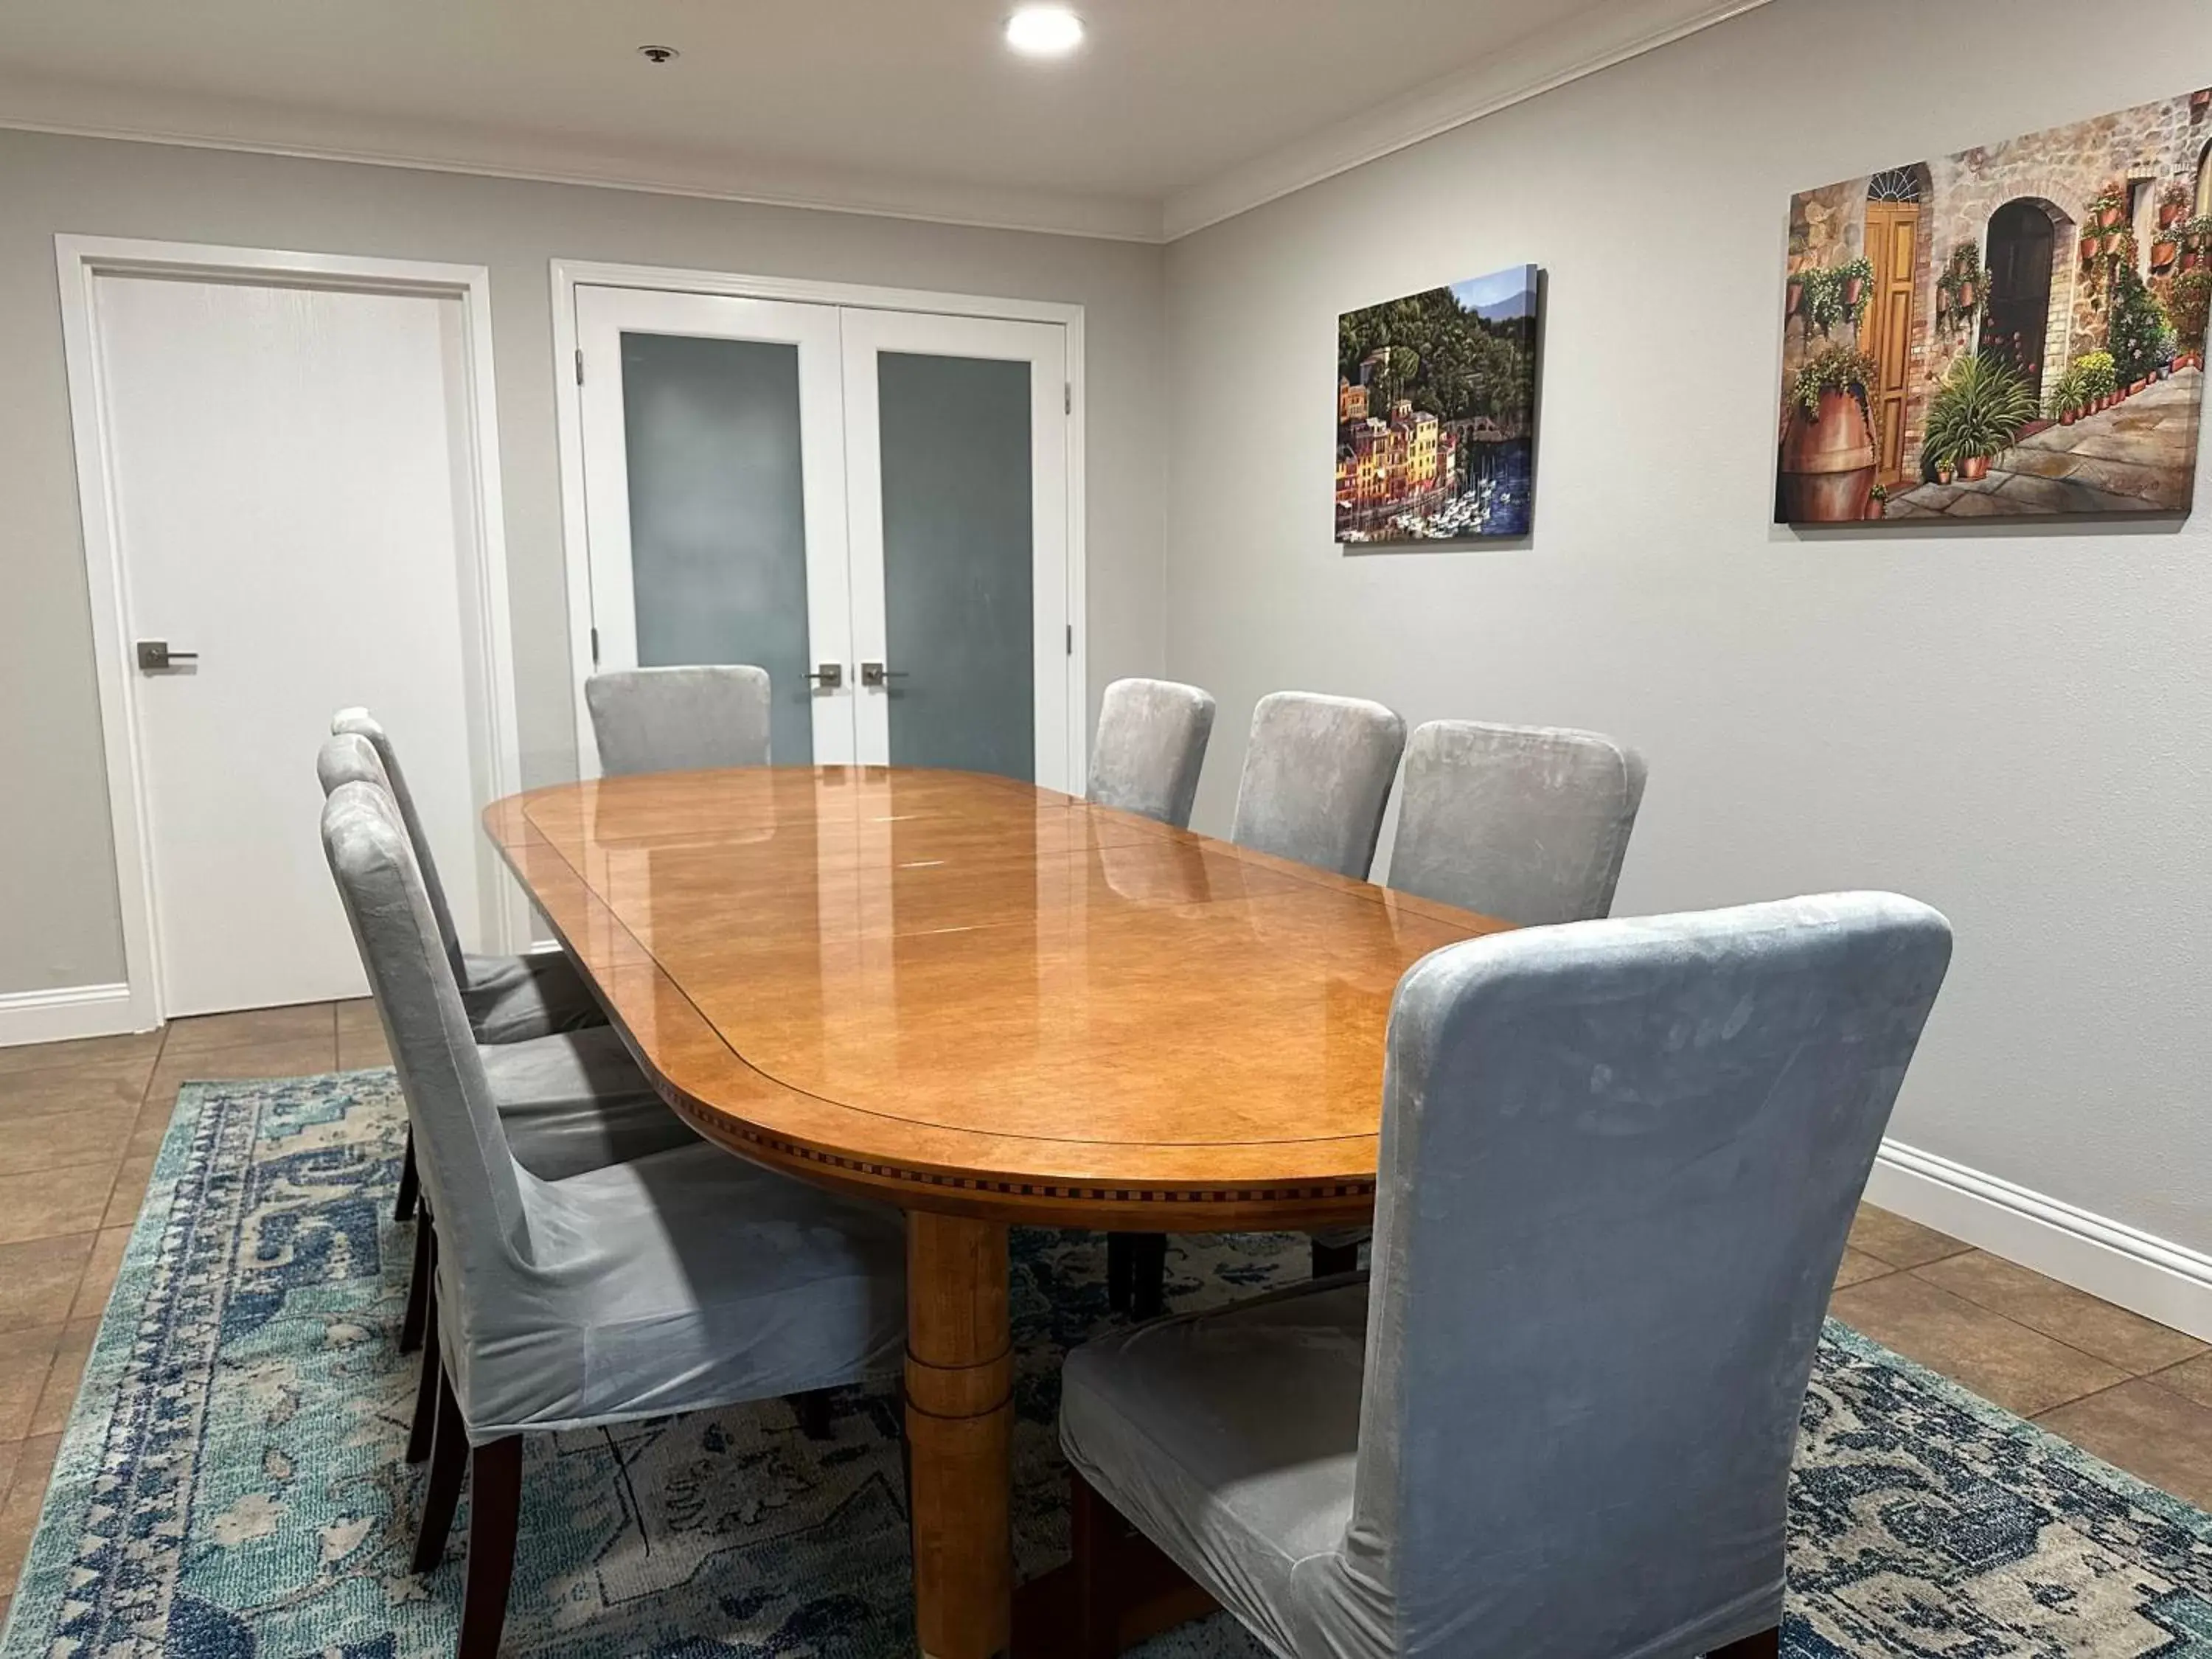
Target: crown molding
pixel 1601 36
pixel 144 115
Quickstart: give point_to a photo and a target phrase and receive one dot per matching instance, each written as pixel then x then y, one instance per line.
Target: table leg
pixel 960 1417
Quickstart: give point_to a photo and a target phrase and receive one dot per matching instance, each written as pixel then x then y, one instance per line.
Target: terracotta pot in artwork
pixel 2199 101
pixel 1853 288
pixel 1966 294
pixel 2163 252
pixel 1828 462
pixel 1974 468
pixel 1943 472
pixel 2169 213
pixel 1794 297
pixel 2068 416
pixel 2138 386
pixel 2109 217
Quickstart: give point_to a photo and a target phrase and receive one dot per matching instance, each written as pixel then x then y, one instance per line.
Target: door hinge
pixel 595 648
pixel 1068 397
pixel 1070 639
pixel 579 364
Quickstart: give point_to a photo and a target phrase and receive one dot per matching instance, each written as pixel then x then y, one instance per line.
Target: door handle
pixel 829 676
pixel 874 673
pixel 155 654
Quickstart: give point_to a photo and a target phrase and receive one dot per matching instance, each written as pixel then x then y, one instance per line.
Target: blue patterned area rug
pixel 231 1483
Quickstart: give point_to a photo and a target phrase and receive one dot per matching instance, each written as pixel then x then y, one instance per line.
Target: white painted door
pixel 825 491
pixel 956 446
pixel 289 473
pixel 713 489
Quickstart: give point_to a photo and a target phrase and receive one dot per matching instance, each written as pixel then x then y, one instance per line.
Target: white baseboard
pixel 67 1012
pixel 2159 1279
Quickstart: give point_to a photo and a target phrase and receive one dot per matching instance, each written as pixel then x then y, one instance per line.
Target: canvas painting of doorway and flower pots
pixel 1436 412
pixel 2015 330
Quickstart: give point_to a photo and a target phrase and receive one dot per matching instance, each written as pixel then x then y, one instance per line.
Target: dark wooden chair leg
pixel 1767 1645
pixel 427 1385
pixel 421 1287
pixel 495 1510
pixel 410 1183
pixel 1094 1530
pixel 1120 1270
pixel 1148 1293
pixel 1329 1260
pixel 449 1460
pixel 812 1411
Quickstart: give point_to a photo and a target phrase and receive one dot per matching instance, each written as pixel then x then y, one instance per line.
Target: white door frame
pixel 567 275
pixel 81 259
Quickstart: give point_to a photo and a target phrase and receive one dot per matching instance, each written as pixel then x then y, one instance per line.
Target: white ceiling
pixel 1175 113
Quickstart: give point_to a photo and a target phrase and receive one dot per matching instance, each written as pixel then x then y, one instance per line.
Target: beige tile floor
pixel 80 1123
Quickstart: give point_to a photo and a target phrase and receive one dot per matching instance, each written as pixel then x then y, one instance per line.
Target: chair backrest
pixel 1619 1161
pixel 1528 823
pixel 679 719
pixel 460 1146
pixel 1316 779
pixel 1150 747
pixel 360 723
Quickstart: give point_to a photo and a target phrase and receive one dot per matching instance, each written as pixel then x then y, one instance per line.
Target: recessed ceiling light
pixel 658 54
pixel 1044 31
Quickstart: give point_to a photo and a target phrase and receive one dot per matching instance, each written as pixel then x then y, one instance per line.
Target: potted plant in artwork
pixel 2101 382
pixel 2063 402
pixel 2111 206
pixel 1976 414
pixel 1959 289
pixel 2165 247
pixel 1827 471
pixel 2190 305
pixel 2136 328
pixel 1858 275
pixel 2173 204
pixel 1878 503
pixel 1944 471
pixel 2196 243
pixel 2199 101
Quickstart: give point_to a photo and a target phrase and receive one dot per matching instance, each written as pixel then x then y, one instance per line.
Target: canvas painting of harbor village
pixel 1435 413
pixel 2015 330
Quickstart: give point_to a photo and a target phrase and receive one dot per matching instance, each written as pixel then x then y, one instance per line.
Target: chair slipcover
pixel 679 719
pixel 1150 747
pixel 684 1279
pixel 1618 1162
pixel 576 1101
pixel 1525 824
pixel 1316 779
pixel 509 999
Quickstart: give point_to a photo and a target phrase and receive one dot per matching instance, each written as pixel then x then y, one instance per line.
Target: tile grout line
pixel 2127 1376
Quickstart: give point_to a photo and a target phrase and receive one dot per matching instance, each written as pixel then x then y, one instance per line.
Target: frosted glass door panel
pixel 959 594
pixel 717 514
pixel 956 442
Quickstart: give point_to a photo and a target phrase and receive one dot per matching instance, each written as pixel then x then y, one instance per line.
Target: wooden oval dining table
pixel 990 1004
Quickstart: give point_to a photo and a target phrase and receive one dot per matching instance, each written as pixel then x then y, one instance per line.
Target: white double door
pixel 872 505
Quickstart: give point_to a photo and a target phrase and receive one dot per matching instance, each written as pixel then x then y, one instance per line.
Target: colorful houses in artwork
pixel 2016 328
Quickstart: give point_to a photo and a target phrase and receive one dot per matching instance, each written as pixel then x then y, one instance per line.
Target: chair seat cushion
pixel 576 1101
pixel 678 1282
pixel 514 999
pixel 1230 1439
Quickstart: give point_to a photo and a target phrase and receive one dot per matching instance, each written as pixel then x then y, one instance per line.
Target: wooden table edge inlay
pixel 959 1360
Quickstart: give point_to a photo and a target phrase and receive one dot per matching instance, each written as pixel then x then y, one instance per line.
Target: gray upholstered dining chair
pixel 1150 747
pixel 510 999
pixel 571 1102
pixel 1525 823
pixel 1316 779
pixel 679 1281
pixel 679 719
pixel 1529 824
pixel 1619 1161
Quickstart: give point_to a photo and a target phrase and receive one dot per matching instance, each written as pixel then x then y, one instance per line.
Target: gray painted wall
pixel 58 924
pixel 2010 725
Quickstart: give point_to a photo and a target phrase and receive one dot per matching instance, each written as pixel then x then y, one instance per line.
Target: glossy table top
pixel 962 993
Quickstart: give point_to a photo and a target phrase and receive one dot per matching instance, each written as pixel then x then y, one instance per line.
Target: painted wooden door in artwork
pixel 1892 247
